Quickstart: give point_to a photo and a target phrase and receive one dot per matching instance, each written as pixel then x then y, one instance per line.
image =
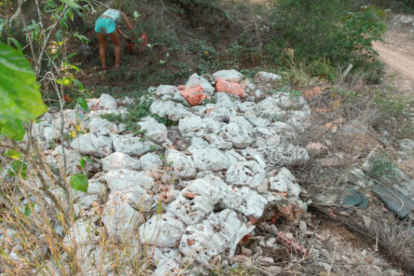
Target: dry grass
pixel 393 237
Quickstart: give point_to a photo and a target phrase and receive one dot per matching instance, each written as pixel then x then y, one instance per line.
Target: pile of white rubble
pixel 211 194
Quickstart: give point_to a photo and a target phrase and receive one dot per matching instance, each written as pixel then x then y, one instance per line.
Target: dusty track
pixel 396 60
pixel 398 54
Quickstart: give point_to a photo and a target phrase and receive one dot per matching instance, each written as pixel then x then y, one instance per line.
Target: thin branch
pixel 46 41
pixel 28 34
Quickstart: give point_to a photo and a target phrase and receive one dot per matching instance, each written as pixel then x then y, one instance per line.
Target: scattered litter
pixel 193 95
pixel 230 87
pixel 399 203
pixel 356 199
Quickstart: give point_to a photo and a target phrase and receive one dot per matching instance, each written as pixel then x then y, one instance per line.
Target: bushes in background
pixel 328 30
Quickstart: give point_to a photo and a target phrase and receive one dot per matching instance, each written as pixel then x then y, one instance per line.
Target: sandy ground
pixel 398 52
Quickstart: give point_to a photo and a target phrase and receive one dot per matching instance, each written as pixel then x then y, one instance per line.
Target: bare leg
pixel 102 48
pixel 115 39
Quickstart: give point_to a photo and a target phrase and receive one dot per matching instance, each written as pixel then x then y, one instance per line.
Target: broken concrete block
pixel 296 119
pixel 72 157
pixel 182 166
pixel 195 79
pixel 171 110
pixel 107 102
pixel 162 230
pixel 120 160
pixel 150 160
pixel 215 141
pixel 80 234
pixel 96 190
pixel 275 134
pixel 136 183
pixel 190 125
pixel 134 146
pixel 210 159
pixel 46 131
pixel 155 131
pixel 218 233
pixel 197 200
pixel 242 123
pixel 92 144
pixel 93 260
pixel 228 75
pixel 245 201
pixel 103 127
pixel 166 90
pixel 255 120
pixel 248 173
pixel 288 102
pixel 237 135
pixel 234 157
pixel 246 106
pixel 191 208
pixel 284 181
pixel 171 267
pixel 265 77
pixel 269 108
pixel 119 218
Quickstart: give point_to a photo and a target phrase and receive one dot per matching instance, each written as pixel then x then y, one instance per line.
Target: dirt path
pixel 398 54
pixel 396 60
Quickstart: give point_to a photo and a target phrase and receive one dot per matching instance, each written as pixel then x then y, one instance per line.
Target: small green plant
pixel 381 165
pixel 294 94
pixel 136 113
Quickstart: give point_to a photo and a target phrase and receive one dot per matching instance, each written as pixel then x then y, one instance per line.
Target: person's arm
pixel 121 33
pixel 126 20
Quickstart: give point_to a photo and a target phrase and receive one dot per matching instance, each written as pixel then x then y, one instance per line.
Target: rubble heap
pixel 192 192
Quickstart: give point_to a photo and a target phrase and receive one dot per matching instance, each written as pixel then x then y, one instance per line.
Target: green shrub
pixel 324 33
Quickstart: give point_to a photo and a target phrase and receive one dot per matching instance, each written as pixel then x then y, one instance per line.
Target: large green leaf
pixel 70 3
pixel 19 95
pixel 11 128
pixel 79 182
pixel 82 103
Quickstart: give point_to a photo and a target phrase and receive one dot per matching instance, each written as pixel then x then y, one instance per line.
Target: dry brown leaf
pixel 309 95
